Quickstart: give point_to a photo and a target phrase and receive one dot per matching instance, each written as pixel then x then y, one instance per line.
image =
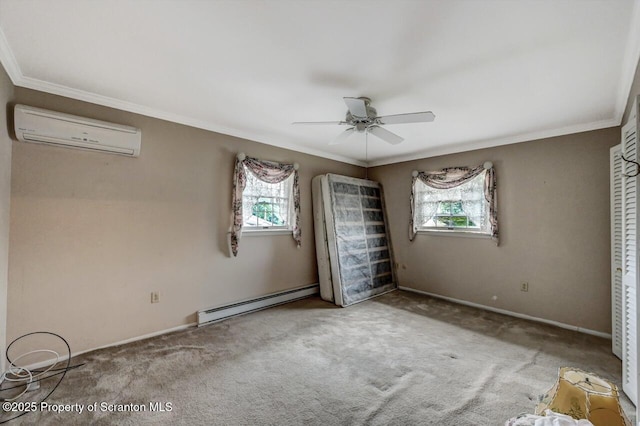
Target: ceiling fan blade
pixel 385 135
pixel 319 122
pixel 357 107
pixel 342 137
pixel 411 117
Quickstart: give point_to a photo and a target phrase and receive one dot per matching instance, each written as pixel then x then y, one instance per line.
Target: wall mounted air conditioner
pixel 53 128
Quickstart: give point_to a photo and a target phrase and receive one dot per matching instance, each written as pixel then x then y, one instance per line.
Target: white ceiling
pixel 493 72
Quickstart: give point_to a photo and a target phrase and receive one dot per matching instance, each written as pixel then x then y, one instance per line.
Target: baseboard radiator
pixel 209 316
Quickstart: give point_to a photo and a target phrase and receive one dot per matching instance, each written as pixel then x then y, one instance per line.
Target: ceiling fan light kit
pixel 363 118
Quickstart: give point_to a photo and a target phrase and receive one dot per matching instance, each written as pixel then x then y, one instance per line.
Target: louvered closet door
pixel 615 169
pixel 629 264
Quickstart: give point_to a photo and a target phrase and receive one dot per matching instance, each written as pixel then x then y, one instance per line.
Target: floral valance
pixel 269 172
pixel 455 176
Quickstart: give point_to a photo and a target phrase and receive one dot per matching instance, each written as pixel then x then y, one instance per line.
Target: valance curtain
pixel 454 177
pixel 268 172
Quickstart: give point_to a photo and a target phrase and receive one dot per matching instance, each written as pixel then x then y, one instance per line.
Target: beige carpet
pixel 399 359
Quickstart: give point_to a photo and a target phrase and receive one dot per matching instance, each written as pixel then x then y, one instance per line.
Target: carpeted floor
pixel 399 359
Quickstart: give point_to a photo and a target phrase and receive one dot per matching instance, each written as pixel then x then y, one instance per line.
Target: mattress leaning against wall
pixel 355 259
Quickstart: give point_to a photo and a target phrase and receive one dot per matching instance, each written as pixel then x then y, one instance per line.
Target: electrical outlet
pixel 155 297
pixel 524 286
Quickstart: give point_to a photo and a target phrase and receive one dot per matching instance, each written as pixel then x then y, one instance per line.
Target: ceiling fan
pixel 362 117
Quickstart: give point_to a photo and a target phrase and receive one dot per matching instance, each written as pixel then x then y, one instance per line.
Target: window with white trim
pixel 267 205
pixel 462 208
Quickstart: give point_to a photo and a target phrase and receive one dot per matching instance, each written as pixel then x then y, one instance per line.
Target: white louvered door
pixel 629 262
pixel 615 169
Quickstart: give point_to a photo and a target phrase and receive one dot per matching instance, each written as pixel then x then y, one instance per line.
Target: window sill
pixel 261 232
pixel 448 233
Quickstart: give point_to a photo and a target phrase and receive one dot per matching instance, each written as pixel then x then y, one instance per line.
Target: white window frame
pixel 257 230
pixel 482 231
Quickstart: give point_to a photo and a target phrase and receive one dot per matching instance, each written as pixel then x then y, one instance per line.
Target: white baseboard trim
pixel 143 337
pixel 211 315
pixel 511 313
pixel 47 363
pixel 251 305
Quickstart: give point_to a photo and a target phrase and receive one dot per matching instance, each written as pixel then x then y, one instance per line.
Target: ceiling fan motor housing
pixel 361 123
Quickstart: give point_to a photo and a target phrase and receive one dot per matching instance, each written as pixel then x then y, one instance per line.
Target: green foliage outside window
pixel 450 214
pixel 267 211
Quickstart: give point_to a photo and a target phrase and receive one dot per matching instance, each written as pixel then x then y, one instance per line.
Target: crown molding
pixel 8 60
pixel 81 95
pixel 490 143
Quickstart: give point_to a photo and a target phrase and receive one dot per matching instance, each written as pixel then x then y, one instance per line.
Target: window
pixel 266 205
pixel 457 200
pixel 266 197
pixel 461 208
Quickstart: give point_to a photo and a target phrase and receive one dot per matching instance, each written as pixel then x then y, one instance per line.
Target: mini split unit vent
pixel 53 128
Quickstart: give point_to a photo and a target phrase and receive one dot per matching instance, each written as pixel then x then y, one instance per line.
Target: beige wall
pixel 553 206
pixel 6 94
pixel 92 235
